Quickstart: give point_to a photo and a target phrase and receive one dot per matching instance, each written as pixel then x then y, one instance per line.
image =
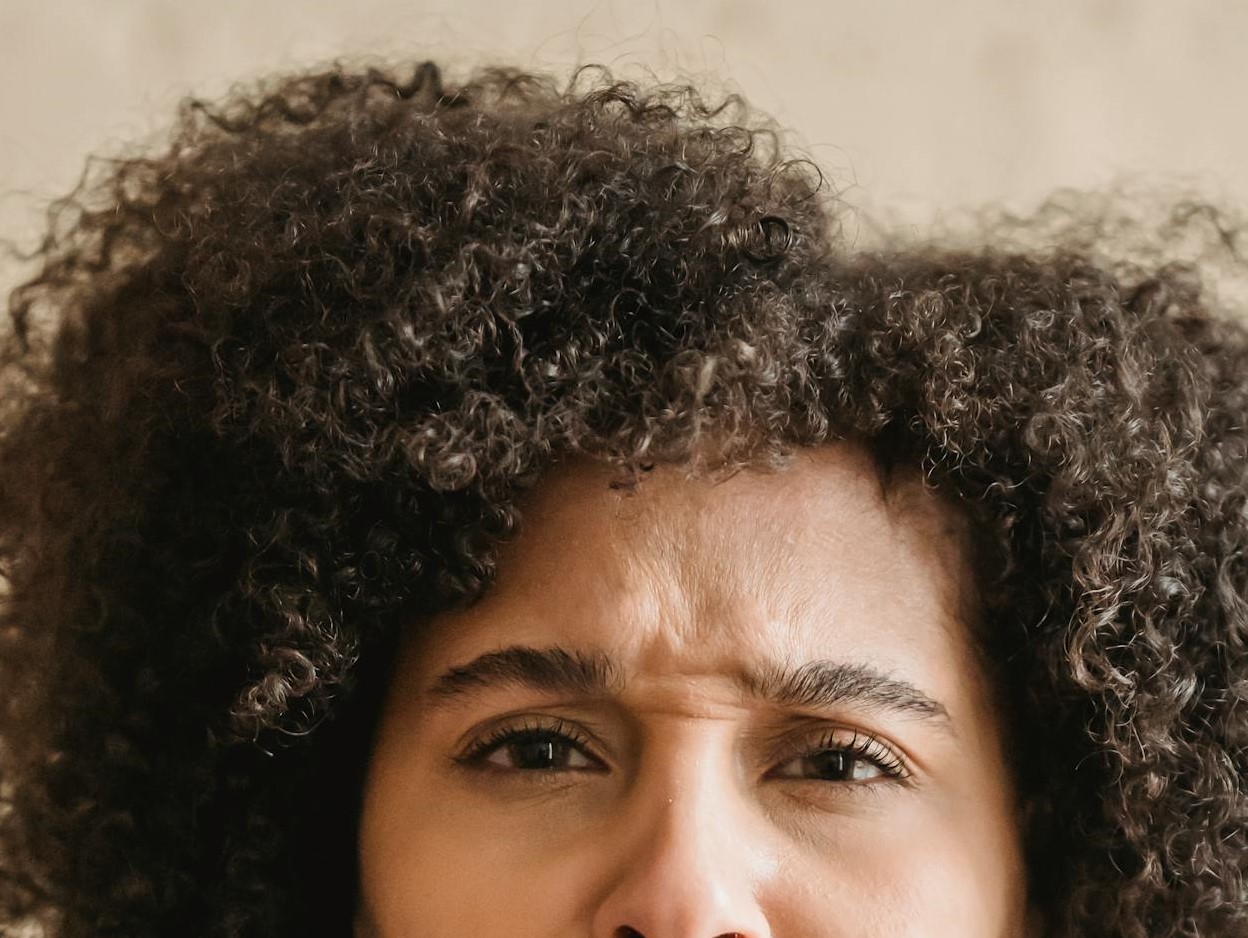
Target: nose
pixel 689 863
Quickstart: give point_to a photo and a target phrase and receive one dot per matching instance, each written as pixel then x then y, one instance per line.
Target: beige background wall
pixel 917 106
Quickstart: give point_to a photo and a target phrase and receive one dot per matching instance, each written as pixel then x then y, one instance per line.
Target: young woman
pixel 509 509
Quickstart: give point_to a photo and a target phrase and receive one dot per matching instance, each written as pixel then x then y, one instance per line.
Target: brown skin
pixel 686 806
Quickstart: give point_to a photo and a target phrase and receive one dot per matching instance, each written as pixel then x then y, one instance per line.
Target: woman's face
pixel 699 710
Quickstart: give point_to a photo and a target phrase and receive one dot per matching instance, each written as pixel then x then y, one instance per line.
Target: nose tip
pixel 660 903
pixel 688 867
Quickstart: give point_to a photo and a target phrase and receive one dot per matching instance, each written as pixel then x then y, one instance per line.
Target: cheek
pixel 422 860
pixel 917 874
pixel 447 864
pixel 442 862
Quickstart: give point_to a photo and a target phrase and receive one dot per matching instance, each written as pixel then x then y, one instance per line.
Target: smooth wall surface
pixel 916 109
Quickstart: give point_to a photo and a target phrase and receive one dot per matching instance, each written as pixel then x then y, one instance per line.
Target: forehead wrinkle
pixel 664 559
pixel 682 555
pixel 659 557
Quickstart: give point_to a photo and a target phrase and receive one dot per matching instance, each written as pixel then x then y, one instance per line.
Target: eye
pixel 539 750
pixel 836 759
pixel 532 748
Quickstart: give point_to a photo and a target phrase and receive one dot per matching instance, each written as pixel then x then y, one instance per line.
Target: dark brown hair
pixel 275 392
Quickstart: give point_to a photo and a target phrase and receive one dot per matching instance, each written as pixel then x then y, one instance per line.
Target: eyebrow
pixel 818 685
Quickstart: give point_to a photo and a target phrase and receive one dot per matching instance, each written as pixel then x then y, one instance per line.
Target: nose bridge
pixel 692 856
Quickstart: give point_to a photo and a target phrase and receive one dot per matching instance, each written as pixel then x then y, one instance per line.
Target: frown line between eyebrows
pixel 815 685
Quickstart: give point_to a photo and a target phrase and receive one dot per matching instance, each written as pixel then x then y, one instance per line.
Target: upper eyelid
pixel 490 740
pixel 888 755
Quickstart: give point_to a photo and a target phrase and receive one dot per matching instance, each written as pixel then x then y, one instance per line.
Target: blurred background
pixel 917 110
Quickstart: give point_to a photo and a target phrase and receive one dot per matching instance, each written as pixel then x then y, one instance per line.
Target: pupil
pixel 536 753
pixel 832 763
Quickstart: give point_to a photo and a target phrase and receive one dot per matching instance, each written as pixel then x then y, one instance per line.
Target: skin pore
pixel 702 709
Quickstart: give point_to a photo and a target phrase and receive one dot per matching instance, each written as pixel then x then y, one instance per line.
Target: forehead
pixel 827 494
pixel 818 559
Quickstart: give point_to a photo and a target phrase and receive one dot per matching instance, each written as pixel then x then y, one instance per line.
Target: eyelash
pixel 558 730
pixel 860 746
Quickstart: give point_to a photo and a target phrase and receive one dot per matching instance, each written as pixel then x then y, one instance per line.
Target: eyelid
pixel 890 759
pixel 892 762
pixel 486 741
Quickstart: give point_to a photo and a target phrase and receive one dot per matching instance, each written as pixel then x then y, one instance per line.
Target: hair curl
pixel 276 391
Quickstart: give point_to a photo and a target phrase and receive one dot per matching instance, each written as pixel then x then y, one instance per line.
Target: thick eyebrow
pixel 825 684
pixel 551 670
pixel 818 685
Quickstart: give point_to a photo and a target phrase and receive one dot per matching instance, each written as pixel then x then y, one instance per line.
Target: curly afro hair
pixel 275 392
